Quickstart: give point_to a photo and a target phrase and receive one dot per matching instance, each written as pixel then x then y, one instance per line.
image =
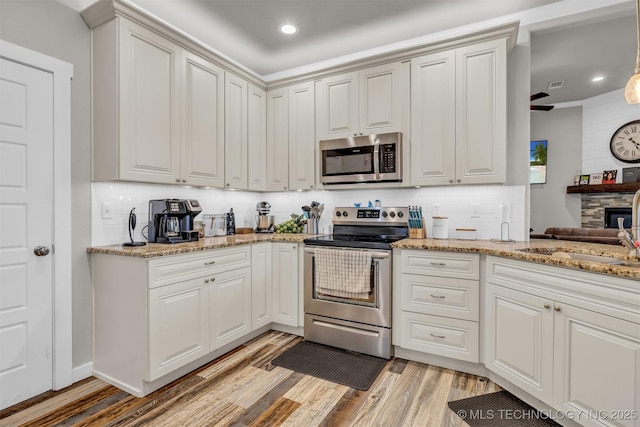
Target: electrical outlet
pixel 475 210
pixel 106 210
pixel 436 210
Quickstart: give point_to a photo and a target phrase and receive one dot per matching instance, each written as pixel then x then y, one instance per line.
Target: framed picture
pixel 609 177
pixel 595 179
pixel 538 162
pixel 584 179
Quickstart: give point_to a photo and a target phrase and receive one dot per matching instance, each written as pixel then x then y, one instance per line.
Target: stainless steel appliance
pixel 265 223
pixel 362 323
pixel 371 158
pixel 171 220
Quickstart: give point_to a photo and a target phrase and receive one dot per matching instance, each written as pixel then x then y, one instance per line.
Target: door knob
pixel 41 250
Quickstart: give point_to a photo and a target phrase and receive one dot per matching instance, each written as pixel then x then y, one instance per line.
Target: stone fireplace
pixel 593 205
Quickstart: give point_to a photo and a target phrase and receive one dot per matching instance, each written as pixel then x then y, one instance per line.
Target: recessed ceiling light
pixel 288 29
pixel 597 79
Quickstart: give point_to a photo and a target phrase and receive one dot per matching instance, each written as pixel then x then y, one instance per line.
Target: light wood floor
pixel 243 388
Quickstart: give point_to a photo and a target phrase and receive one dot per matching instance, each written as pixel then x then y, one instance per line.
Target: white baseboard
pixel 81 372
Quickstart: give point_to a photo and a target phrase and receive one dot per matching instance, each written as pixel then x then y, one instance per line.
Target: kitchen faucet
pixel 632 240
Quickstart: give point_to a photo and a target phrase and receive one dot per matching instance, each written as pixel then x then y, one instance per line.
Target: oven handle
pixel 374 254
pixel 376 157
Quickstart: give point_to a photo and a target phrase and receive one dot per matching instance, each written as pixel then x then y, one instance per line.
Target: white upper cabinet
pixel 257 138
pixel 235 141
pixel 369 101
pixel 202 142
pixel 277 140
pixel 302 144
pixel 458 115
pixel 291 143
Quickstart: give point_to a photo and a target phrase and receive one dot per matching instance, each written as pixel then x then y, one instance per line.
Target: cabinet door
pixel 285 284
pixel 433 119
pixel 149 96
pixel 230 305
pixel 337 106
pixel 257 138
pixel 597 365
pixel 235 132
pixel 302 137
pixel 519 339
pixel 277 140
pixel 202 143
pixel 481 115
pixel 178 326
pixel 381 98
pixel 261 284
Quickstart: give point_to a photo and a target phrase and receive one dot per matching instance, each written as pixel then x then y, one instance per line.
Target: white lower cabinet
pixel 438 303
pixel 285 283
pixel 178 326
pixel 568 338
pixel 261 284
pixel 230 305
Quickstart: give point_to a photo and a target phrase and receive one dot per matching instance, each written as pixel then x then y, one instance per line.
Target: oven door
pixel 372 309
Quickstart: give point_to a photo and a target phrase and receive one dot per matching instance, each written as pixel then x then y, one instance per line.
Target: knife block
pixel 418 233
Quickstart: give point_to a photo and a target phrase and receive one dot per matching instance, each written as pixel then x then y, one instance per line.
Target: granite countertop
pixel 151 250
pixel 536 250
pixel 526 251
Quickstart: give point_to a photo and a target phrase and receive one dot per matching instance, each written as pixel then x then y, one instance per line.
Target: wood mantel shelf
pixel 627 187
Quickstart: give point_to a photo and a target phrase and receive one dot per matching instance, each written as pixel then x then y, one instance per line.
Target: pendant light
pixel 632 90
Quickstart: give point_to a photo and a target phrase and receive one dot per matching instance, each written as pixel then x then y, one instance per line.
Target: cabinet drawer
pixel 441 296
pixel 163 271
pixel 442 336
pixel 444 264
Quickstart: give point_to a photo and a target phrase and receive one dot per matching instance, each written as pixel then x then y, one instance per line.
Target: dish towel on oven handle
pixel 343 273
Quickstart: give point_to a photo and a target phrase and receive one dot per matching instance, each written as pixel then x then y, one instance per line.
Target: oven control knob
pixel 345 214
pixel 384 214
pixel 338 213
pixel 392 214
pixel 400 214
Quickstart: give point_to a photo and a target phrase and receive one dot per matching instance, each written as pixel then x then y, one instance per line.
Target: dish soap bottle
pixel 231 223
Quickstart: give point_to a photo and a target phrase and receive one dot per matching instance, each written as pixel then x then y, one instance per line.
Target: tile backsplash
pixel 481 207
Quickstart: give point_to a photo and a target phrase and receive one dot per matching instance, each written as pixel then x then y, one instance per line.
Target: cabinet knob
pixel 546 305
pixel 285 188
pixel 228 184
pixel 450 181
pixel 177 179
pixel 355 134
pixel 360 133
pixel 557 308
pixel 184 180
pixel 458 180
pixel 206 280
pixel 311 186
pixel 213 279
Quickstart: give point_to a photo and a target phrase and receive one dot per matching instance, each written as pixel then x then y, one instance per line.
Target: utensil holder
pixel 312 226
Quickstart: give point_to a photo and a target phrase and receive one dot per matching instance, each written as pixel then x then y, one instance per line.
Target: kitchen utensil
pixel 132 227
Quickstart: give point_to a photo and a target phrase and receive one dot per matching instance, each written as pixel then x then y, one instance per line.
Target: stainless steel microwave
pixel 370 158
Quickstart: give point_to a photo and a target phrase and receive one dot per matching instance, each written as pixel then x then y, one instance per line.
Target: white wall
pixel 602 116
pixel 562 128
pixel 458 203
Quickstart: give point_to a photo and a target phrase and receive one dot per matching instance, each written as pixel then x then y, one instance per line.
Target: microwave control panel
pixel 388 158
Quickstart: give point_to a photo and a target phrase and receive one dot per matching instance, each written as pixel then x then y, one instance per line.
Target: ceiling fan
pixel 540 107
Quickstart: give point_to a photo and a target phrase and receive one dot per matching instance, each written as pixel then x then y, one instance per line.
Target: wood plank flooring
pixel 243 388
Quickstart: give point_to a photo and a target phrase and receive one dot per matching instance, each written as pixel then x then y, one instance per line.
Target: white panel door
pixel 519 339
pixel 597 366
pixel 26 177
pixel 257 138
pixel 277 140
pixel 337 106
pixel 433 119
pixel 381 98
pixel 261 284
pixel 202 142
pixel 230 305
pixel 285 283
pixel 235 132
pixel 302 137
pixel 481 113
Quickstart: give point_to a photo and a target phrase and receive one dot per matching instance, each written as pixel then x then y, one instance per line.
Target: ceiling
pixel 246 31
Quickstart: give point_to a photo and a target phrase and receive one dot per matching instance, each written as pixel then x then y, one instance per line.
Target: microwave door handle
pixel 376 159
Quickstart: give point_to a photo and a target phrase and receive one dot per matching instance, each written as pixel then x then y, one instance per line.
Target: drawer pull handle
pixel 209 263
pixel 438 336
pixel 438 264
pixel 438 296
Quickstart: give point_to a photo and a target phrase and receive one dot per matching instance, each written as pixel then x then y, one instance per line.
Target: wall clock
pixel 625 142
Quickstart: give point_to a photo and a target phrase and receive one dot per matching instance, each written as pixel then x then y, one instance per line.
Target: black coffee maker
pixel 171 220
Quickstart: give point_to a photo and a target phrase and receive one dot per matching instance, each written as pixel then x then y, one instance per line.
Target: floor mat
pixel 500 409
pixel 332 364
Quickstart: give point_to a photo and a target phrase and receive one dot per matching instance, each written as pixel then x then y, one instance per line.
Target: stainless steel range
pixel 347 280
